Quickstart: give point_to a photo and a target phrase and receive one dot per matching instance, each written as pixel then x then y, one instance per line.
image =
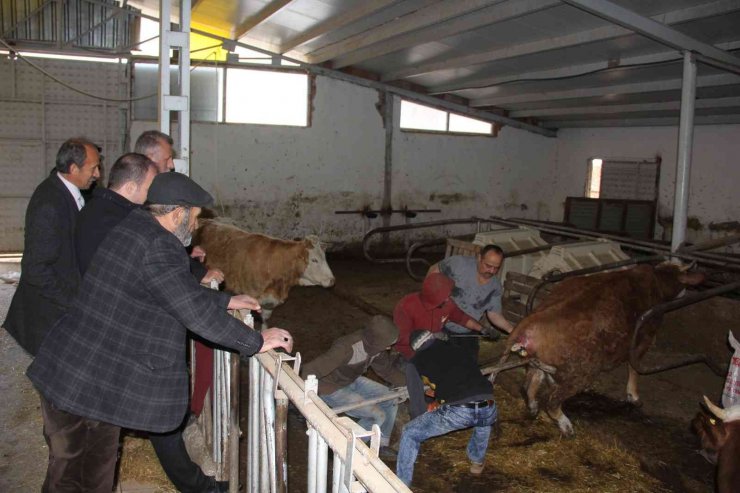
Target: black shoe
pixel 218 487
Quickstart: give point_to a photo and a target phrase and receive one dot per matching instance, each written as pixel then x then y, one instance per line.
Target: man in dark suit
pixel 128 183
pixel 117 358
pixel 49 274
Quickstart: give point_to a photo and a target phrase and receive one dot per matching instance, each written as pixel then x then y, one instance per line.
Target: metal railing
pixel 273 384
pixel 661 309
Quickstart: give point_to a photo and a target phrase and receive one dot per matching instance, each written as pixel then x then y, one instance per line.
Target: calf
pixel 585 326
pixel 263 267
pixel 720 442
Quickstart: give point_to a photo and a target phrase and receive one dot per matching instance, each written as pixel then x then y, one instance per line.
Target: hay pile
pixel 529 455
pixel 139 464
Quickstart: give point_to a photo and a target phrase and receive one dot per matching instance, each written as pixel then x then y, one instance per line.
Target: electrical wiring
pixel 68 86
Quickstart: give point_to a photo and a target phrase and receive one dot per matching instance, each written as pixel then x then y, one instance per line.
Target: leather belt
pixel 476 404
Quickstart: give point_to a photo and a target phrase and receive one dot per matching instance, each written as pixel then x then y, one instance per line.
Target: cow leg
pixel 632 395
pixel 265 314
pixel 534 379
pixel 555 407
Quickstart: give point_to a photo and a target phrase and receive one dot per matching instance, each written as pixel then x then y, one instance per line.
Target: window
pixel 627 179
pixel 266 97
pixel 419 117
pixel 593 188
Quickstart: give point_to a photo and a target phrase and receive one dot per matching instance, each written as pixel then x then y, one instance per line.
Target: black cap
pixel 177 189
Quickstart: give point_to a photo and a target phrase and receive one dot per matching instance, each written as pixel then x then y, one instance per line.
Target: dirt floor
pixel 617 447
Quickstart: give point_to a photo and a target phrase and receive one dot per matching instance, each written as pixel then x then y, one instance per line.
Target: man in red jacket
pixel 428 309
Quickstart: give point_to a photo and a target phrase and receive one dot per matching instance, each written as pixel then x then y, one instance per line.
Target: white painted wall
pixel 288 181
pixel 714 176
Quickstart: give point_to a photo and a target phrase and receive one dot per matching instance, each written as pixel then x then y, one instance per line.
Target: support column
pixel 388 123
pixel 179 102
pixel 685 141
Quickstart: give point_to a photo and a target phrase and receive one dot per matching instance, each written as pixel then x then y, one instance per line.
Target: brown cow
pixel 585 326
pixel 720 442
pixel 260 266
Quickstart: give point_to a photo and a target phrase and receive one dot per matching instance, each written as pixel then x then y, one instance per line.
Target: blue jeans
pixel 383 413
pixel 443 420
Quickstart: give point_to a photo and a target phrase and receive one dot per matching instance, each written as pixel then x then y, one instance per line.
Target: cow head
pixel 673 278
pixel 317 272
pixel 712 428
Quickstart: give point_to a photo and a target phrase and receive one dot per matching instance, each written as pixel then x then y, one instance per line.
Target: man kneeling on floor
pixel 465 395
pixel 340 373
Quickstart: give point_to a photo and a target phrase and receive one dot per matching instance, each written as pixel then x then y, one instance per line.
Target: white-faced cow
pixel 263 267
pixel 585 326
pixel 719 434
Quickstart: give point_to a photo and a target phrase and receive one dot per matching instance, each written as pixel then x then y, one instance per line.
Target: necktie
pixel 80 202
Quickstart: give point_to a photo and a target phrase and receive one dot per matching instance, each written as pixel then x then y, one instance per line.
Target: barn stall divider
pixel 273 384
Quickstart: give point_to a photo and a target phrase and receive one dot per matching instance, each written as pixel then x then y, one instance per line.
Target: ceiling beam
pixel 250 22
pixel 378 86
pixel 616 109
pixel 332 23
pixel 570 71
pixel 423 26
pixel 654 86
pixel 652 29
pixel 642 122
pixel 591 36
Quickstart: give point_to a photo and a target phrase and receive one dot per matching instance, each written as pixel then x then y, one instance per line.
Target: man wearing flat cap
pixel 117 358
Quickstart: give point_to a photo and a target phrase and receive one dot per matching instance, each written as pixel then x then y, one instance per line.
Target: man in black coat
pixel 49 273
pixel 128 183
pixel 117 358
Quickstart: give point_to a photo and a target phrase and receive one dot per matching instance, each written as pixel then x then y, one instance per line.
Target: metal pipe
pixel 399 393
pixel 268 408
pixel 216 386
pixel 402 227
pixel 702 257
pixel 253 444
pixel 369 470
pixel 281 441
pixel 312 452
pixel 410 254
pixel 234 431
pixel 263 467
pixel 336 474
pixel 685 141
pixel 388 124
pixel 321 465
pixel 552 278
pixel 659 310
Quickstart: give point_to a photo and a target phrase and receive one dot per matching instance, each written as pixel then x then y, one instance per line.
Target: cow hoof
pixel 566 427
pixel 635 401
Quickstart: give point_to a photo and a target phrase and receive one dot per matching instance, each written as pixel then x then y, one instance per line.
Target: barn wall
pixel 289 181
pixel 714 175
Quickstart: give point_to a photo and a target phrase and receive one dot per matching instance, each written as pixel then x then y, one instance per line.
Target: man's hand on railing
pixel 242 301
pixel 276 338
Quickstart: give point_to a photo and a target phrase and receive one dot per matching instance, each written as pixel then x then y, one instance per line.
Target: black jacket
pixel 49 274
pixel 103 212
pixel 118 355
pixel 451 371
